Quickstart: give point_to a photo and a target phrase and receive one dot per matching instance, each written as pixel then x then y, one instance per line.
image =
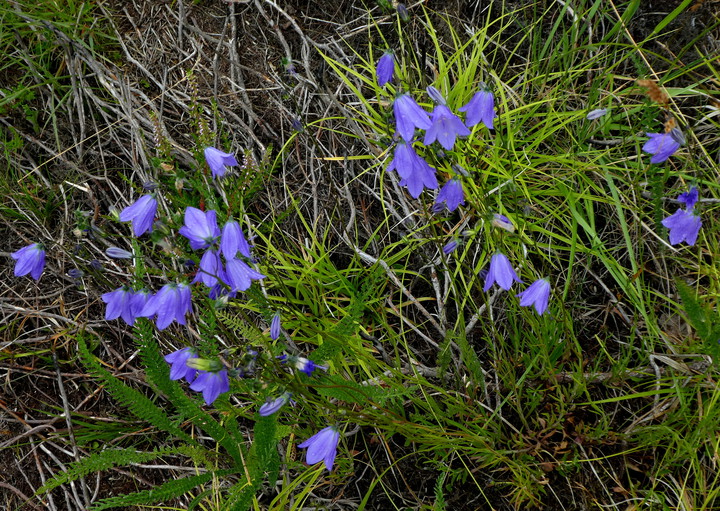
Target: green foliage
pixel 704 320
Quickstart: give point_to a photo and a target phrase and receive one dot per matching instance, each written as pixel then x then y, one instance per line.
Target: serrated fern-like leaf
pixel 166 491
pixel 696 314
pixel 137 403
pixel 102 461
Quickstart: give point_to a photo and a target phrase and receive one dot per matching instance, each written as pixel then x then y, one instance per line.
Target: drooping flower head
pixel 302 364
pixel 275 327
pixel 385 68
pixel 219 161
pixel 446 126
pixel 481 108
pixel 502 272
pixel 503 222
pixel 536 295
pixel 450 195
pixel 684 226
pixel 141 214
pixel 661 146
pixel 124 303
pixel 273 405
pixel 451 246
pixel 210 268
pixel 689 198
pixel 233 241
pixel 239 276
pixel 322 446
pixel 200 228
pixel 169 304
pixel 408 116
pixel 211 384
pixel 29 259
pixel 179 367
pixel 415 173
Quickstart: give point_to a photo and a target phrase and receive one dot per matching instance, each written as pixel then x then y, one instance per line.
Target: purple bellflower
pixel 322 446
pixel 536 295
pixel 178 364
pixel 233 241
pixel 685 224
pixel 408 116
pixel 239 276
pixel 451 246
pixel 502 272
pixel 273 405
pixel 446 126
pixel 661 146
pixel 275 327
pixel 30 259
pixel 219 161
pixel 118 253
pixel 596 114
pixel 481 108
pixel 124 303
pixel 210 268
pixel 503 222
pixel 302 364
pixel 141 213
pixel 415 173
pixel 170 304
pixel 385 68
pixel 451 195
pixel 435 95
pixel 211 384
pixel 200 228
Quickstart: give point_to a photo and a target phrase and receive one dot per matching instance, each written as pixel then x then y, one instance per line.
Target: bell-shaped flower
pixel 169 304
pixel 322 446
pixel 451 195
pixel 211 384
pixel 481 108
pixel 273 405
pixel 408 116
pixel 596 114
pixel 536 295
pixel 503 222
pixel 141 214
pixel 385 68
pixel 445 127
pixel 451 246
pixel 219 161
pixel 275 327
pixel 502 272
pixel 415 173
pixel 210 268
pixel 684 226
pixel 200 228
pixel 30 259
pixel 689 198
pixel 118 253
pixel 233 241
pixel 124 303
pixel 239 276
pixel 661 146
pixel 179 367
pixel 302 364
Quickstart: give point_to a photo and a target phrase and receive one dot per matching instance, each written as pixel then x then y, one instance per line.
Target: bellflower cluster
pixel 30 259
pixel 684 224
pixel 219 161
pixel 141 214
pixel 322 446
pixel 661 146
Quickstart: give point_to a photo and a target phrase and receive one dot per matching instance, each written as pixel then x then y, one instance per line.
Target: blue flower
pixel 322 446
pixel 178 364
pixel 385 68
pixel 481 108
pixel 503 222
pixel 537 295
pixel 200 228
pixel 210 268
pixel 239 276
pixel 170 304
pixel 118 253
pixel 211 384
pixel 125 303
pixel 233 241
pixel 142 214
pixel 436 95
pixel 302 364
pixel 451 194
pixel 596 114
pixel 445 127
pixel 450 247
pixel 502 272
pixel 30 259
pixel 415 173
pixel 219 161
pixel 689 198
pixel 408 116
pixel 661 146
pixel 684 226
pixel 272 406
pixel 275 327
